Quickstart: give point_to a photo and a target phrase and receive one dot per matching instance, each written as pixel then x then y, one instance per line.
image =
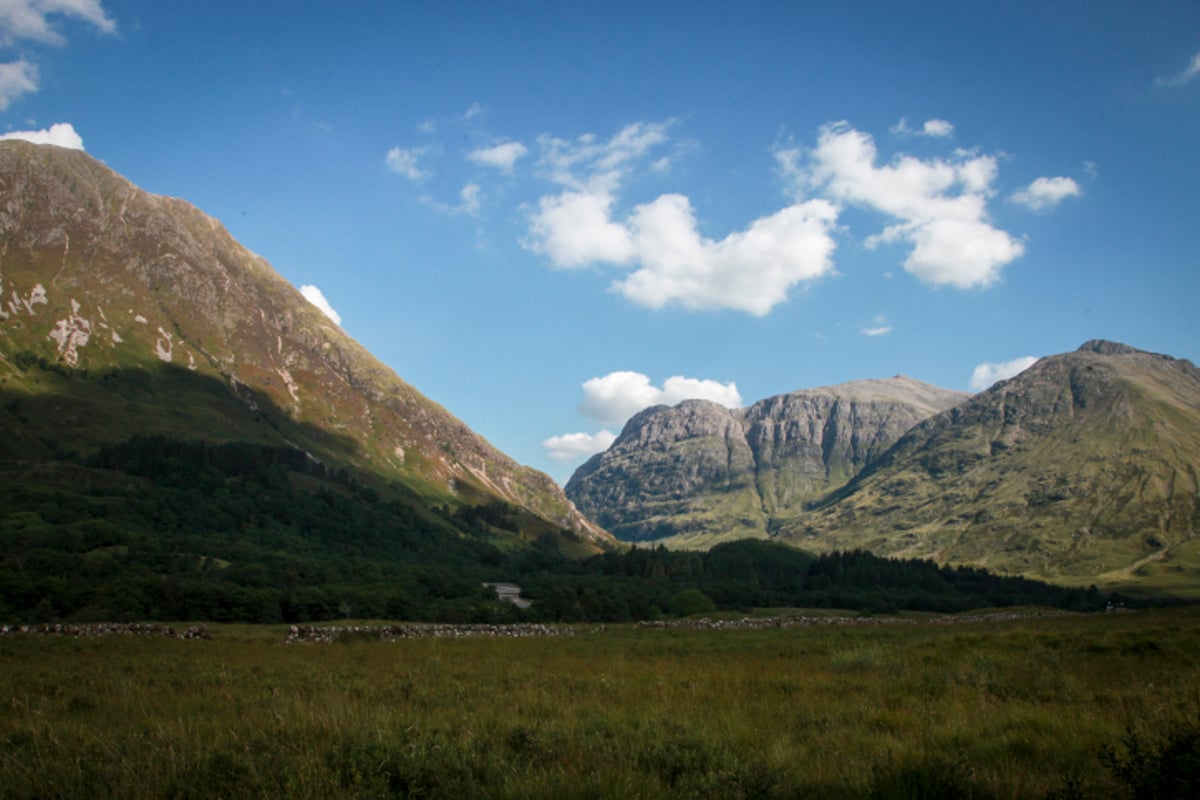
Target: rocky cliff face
pixel 1084 467
pixel 143 315
pixel 699 473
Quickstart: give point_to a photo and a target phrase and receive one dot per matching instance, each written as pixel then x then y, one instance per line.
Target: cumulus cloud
pixel 315 296
pixel 30 19
pixel 406 162
pixel 940 205
pixel 1189 74
pixel 60 134
pixel 988 373
pixel 575 447
pixel 750 270
pixel 575 229
pixel 670 261
pixel 502 156
pixel 1046 193
pixel 17 79
pixel 615 397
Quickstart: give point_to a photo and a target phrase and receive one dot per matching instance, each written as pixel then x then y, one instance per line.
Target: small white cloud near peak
pixel 988 372
pixel 406 162
pixel 1189 74
pixel 60 134
pixel 614 398
pixel 574 447
pixel 315 296
pixel 503 156
pixel 1046 193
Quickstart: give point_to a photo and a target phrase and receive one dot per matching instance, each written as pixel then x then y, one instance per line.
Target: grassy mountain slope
pixel 1082 468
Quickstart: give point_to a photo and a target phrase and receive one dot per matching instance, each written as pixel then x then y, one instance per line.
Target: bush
pixel 1162 770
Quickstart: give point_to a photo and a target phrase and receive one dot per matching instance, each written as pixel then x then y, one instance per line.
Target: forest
pixel 162 529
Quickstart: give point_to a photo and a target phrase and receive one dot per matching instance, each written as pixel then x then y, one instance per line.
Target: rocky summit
pixel 700 473
pixel 1081 468
pixel 124 313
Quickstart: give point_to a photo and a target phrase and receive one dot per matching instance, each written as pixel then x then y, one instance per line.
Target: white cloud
pixel 502 156
pixel 406 162
pixel 315 296
pixel 750 270
pixel 469 199
pixel 574 447
pixel 988 373
pixel 1189 74
pixel 1046 193
pixel 615 397
pixel 587 163
pixel 17 78
pixel 29 19
pixel 660 242
pixel 575 229
pixel 936 128
pixel 60 134
pixel 881 327
pixel 22 20
pixel 941 204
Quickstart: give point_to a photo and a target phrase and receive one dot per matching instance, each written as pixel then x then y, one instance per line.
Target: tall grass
pixel 1038 708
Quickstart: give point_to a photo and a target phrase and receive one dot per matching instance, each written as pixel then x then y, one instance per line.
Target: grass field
pixel 1054 707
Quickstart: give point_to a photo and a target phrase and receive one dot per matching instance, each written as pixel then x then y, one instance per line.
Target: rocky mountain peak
pixel 698 472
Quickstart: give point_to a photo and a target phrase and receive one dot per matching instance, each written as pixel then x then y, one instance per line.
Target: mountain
pixel 700 473
pixel 1081 468
pixel 128 314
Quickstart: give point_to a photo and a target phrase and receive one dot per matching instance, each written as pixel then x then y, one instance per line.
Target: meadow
pixel 1071 706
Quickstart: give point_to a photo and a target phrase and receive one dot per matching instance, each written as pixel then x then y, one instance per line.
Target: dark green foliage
pixel 738 576
pixel 1167 769
pixel 158 528
pixel 231 532
pixel 928 779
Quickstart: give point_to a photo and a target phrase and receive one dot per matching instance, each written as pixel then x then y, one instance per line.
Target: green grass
pixel 1029 708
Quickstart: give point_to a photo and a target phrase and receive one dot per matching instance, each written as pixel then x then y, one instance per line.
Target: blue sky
pixel 547 215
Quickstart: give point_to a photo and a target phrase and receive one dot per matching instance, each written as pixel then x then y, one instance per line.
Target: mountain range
pixel 1083 468
pixel 178 421
pixel 699 473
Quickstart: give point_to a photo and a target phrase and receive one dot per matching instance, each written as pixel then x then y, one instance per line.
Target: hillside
pixel 1081 468
pixel 700 473
pixel 182 432
pixel 126 312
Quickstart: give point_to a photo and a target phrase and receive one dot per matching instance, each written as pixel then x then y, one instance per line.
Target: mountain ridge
pixel 1081 467
pixel 698 472
pixel 99 276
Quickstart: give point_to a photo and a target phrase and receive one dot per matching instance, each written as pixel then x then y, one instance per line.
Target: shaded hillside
pixel 125 313
pixel 1083 467
pixel 699 473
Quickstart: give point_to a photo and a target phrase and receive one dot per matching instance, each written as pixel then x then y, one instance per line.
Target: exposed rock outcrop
pixel 699 473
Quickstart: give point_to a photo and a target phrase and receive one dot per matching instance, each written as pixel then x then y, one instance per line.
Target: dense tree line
pixel 241 532
pixel 645 583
